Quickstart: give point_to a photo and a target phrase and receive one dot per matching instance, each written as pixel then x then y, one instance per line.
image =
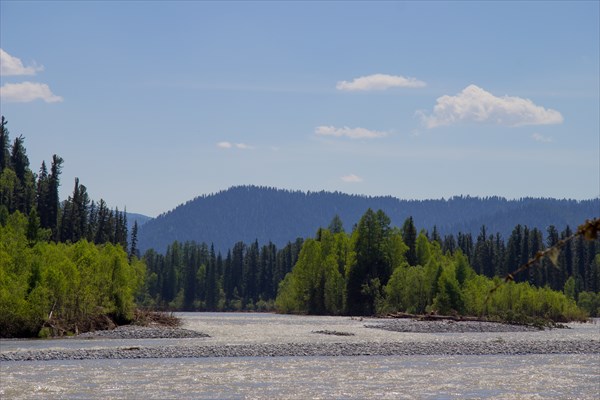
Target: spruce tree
pixel 4 145
pixel 53 205
pixel 409 236
pixel 133 250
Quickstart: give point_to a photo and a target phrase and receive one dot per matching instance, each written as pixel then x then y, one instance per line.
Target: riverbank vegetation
pixel 49 288
pixel 368 272
pixel 373 271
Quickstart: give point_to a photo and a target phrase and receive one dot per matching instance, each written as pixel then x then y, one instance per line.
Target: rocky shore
pixel 143 332
pixel 447 326
pixel 339 347
pixel 497 347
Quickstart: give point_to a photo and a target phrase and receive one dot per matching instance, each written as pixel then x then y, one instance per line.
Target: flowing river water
pixel 556 374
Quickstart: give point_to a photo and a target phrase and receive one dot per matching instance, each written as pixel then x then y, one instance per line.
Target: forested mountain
pixel 248 213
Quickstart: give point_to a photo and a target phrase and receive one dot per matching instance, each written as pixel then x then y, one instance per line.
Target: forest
pixel 64 266
pixel 378 268
pixel 71 266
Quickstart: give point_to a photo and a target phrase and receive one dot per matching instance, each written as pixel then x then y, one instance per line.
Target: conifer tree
pixel 4 145
pixel 133 250
pixel 42 194
pixel 409 236
pixel 53 205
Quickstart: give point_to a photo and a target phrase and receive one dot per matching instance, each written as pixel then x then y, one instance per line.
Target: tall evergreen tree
pixel 42 194
pixel 53 205
pixel 4 145
pixel 133 250
pixel 24 189
pixel 372 265
pixel 409 236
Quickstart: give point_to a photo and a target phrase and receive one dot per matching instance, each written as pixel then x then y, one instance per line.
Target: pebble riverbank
pixel 143 332
pixel 447 326
pixel 496 346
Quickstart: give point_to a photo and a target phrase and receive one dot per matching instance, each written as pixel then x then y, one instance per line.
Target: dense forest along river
pixel 562 363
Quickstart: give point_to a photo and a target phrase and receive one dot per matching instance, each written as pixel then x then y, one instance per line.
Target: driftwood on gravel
pixel 334 333
pixel 153 318
pixel 435 317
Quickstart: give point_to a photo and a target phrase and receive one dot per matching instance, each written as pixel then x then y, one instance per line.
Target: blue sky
pixel 154 103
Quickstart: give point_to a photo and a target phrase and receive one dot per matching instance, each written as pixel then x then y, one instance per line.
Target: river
pixel 535 376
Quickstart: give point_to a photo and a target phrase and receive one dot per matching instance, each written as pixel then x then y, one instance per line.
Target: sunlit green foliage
pixel 60 285
pixel 378 279
pixel 316 285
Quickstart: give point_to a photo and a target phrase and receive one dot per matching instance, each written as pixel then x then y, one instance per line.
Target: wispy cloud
pixel 353 133
pixel 13 66
pixel 538 137
pixel 229 145
pixel 474 104
pixel 25 92
pixel 352 178
pixel 379 82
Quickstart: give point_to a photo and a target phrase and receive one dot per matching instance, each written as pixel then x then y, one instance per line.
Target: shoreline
pixel 344 343
pixel 335 349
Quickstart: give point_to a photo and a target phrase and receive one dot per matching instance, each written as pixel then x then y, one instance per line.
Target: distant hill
pixel 133 217
pixel 248 213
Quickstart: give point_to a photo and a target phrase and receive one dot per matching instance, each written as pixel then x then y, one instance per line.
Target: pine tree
pixel 24 192
pixel 373 266
pixel 53 204
pixel 409 236
pixel 4 146
pixel 133 250
pixel 42 195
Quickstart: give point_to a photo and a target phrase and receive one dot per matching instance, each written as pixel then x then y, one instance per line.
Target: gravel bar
pixel 447 326
pixel 143 332
pixel 494 347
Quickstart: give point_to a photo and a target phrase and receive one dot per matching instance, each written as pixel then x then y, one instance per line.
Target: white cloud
pixel 353 133
pixel 379 82
pixel 352 178
pixel 538 137
pixel 229 145
pixel 28 91
pixel 12 66
pixel 224 145
pixel 474 104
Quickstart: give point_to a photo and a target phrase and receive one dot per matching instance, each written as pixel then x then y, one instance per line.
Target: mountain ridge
pixel 248 213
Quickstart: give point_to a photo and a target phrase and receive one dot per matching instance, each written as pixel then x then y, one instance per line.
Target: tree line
pixel 374 268
pixel 191 276
pixel 379 269
pixel 490 255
